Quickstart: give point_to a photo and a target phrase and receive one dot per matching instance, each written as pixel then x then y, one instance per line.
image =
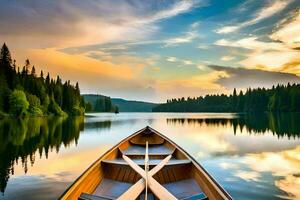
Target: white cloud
pixel 227 29
pixel 195 25
pixel 266 12
pixel 186 38
pixel 171 59
pixel 76 25
pixel 271 60
pixel 227 58
pixel 187 62
pixel 201 67
pixel 251 43
pixel 201 46
pixel 270 56
pixel 289 32
pixel 178 8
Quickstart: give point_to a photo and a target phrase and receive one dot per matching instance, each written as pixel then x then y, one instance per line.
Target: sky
pixel 158 49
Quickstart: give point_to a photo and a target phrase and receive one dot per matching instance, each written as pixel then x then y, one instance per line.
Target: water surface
pixel 251 156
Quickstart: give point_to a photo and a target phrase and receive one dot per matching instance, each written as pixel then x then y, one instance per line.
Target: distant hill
pixel 133 106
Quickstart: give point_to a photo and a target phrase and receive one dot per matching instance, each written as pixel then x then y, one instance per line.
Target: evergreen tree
pixel 5 56
pixel 42 75
pixel 33 71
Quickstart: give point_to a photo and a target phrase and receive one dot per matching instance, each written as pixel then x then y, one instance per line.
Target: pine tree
pixel 42 75
pixel 27 65
pixel 5 56
pixel 33 71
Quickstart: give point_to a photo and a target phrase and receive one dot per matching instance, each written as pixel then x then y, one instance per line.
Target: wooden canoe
pixel 120 173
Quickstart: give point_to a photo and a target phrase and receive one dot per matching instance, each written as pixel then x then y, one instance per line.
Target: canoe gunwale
pixel 196 164
pixel 98 161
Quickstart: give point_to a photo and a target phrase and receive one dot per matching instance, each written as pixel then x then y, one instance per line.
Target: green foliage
pixel 278 99
pixel 4 94
pixel 88 107
pixel 34 105
pixel 55 109
pixel 98 103
pixel 45 96
pixel 133 106
pixel 18 103
pixel 3 115
pixel 77 110
pixel 45 101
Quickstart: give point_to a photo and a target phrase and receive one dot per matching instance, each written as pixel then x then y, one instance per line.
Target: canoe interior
pixel 110 176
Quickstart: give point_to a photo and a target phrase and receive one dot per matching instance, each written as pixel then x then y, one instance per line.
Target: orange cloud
pixel 67 64
pixel 194 86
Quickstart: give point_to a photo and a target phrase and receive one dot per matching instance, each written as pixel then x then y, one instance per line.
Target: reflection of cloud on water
pixel 226 165
pixel 214 143
pixel 70 164
pixel 284 164
pixel 206 140
pixel 291 185
pixel 248 175
pixel 280 163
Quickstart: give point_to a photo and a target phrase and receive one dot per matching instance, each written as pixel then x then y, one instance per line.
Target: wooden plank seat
pixel 153 150
pixel 111 189
pixel 184 189
pixel 152 162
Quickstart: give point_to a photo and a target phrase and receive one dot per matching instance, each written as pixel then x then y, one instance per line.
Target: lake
pixel 251 156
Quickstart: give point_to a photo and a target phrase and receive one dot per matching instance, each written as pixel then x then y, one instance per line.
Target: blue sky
pixel 158 49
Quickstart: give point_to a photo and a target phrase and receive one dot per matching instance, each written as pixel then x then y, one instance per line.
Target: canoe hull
pixel 177 171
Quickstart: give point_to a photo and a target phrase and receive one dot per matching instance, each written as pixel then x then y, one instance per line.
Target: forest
pixel 280 98
pixel 23 92
pixel 99 103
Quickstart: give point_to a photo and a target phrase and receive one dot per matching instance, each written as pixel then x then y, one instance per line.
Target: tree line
pixel 23 92
pixel 280 98
pixel 99 103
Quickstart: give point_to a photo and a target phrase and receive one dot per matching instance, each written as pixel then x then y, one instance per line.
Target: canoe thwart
pixel 152 162
pixel 153 150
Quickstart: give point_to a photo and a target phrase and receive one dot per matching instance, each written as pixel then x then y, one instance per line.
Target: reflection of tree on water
pixel 20 139
pixel 286 124
pixel 102 125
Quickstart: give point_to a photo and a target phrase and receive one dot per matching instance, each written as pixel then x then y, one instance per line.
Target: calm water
pixel 252 157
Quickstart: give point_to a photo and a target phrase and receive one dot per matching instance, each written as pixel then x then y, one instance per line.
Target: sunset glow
pixel 155 50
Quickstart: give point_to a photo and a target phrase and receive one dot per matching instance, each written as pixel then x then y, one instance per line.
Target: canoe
pixel 145 165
